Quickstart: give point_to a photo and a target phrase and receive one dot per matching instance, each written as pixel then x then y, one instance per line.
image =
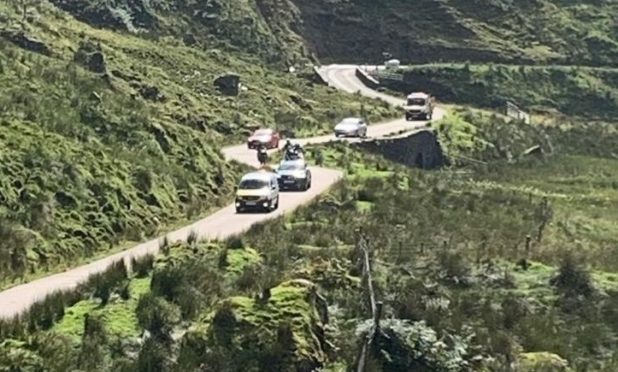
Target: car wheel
pixel 238 209
pixel 276 206
pixel 308 185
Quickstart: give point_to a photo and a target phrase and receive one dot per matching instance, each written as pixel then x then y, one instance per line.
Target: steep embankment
pixel 458 30
pixel 109 135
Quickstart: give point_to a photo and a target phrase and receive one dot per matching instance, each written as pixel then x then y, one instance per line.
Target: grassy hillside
pixel 109 137
pixel 462 285
pixel 574 91
pixel 548 31
pixel 263 28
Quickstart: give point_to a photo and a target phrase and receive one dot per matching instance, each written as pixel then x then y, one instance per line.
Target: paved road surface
pixel 225 222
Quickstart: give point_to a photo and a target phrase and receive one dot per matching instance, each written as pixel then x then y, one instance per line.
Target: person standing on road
pixel 287 146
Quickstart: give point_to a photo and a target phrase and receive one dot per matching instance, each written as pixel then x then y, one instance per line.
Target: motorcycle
pixel 293 154
pixel 262 156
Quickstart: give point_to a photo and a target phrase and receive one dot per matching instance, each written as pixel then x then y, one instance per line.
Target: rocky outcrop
pixel 22 40
pixel 420 149
pixel 151 93
pixel 115 14
pixel 228 84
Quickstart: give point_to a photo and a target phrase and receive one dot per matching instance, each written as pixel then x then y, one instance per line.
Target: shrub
pixel 105 283
pixel 235 242
pixel 572 278
pixel 143 265
pixel 157 315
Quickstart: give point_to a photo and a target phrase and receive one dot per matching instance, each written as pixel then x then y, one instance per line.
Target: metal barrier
pixel 388 75
pixel 516 113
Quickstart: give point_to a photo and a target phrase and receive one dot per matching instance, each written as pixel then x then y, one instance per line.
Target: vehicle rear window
pixel 416 101
pixel 253 184
pixel 290 166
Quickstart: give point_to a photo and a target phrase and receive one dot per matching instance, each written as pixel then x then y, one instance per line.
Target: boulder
pixel 189 39
pixel 91 57
pixel 300 102
pixel 228 84
pixel 151 93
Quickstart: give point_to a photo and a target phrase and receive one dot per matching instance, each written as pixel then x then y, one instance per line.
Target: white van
pixel 258 191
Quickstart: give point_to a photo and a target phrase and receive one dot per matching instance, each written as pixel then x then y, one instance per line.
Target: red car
pixel 268 137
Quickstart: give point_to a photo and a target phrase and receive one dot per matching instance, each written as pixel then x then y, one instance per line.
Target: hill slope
pixel 583 32
pixel 109 136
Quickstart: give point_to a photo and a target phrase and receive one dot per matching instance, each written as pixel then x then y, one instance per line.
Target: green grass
pixel 240 259
pixel 583 192
pixel 119 316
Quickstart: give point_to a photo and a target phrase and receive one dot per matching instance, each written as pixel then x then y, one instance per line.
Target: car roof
pixel 270 130
pixel 418 95
pixel 352 119
pixel 259 175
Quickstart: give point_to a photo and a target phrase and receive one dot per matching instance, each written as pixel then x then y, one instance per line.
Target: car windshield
pixel 291 166
pixel 262 132
pixel 252 184
pixel 416 101
pixel 349 121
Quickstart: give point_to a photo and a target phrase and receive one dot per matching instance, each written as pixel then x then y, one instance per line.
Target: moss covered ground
pixel 114 314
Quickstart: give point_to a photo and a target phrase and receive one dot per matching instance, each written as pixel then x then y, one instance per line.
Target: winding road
pixel 225 222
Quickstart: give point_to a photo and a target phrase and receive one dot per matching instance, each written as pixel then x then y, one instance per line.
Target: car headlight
pixel 300 175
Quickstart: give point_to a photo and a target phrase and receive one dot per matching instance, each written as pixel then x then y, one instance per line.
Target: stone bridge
pixel 419 149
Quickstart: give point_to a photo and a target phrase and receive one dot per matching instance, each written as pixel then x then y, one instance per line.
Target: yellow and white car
pixel 258 191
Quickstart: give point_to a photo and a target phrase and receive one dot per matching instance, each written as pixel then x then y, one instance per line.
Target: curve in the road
pixel 225 222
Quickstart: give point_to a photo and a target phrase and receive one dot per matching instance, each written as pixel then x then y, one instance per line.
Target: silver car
pixel 294 174
pixel 351 127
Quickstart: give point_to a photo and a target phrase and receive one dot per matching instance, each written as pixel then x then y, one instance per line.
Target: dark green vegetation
pixel 546 31
pixel 574 91
pixel 504 258
pixel 110 137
